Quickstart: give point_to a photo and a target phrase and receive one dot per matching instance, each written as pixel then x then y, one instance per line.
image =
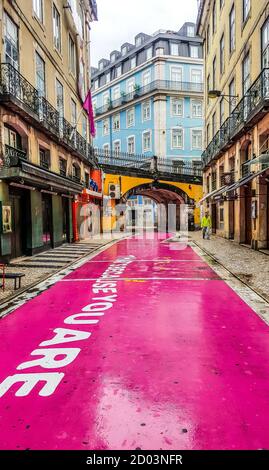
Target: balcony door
pixel 19 201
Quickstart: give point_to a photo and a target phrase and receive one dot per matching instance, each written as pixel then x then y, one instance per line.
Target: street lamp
pixel 213 94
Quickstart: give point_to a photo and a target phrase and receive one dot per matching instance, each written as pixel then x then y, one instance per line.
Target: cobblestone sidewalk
pixel 251 267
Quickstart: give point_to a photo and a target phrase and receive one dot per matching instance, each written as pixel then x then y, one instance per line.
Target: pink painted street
pixel 143 346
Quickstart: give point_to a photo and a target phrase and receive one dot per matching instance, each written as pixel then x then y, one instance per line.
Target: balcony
pixel 252 107
pixel 15 166
pixel 155 86
pixel 21 97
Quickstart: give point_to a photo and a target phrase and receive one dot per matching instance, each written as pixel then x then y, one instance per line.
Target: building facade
pixel 148 97
pixel 46 162
pixel 235 160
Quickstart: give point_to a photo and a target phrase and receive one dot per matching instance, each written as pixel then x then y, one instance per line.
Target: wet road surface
pixel 143 347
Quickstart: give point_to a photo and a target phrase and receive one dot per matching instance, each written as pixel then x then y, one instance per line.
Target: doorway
pixel 19 223
pixel 248 224
pixel 47 220
pixel 231 220
pixel 214 217
pixel 66 220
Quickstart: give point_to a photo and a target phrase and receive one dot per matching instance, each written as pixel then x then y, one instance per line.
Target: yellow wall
pixel 194 191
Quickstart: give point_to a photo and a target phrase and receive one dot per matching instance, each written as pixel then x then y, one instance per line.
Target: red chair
pixel 3 268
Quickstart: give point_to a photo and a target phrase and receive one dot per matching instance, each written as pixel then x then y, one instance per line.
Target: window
pixel 265 44
pixel 138 41
pixel 40 75
pixel 131 144
pixel 118 71
pixel 116 122
pixel 208 133
pixel 160 51
pixel 108 77
pixel 146 141
pixel 174 49
pixel 87 180
pixel 60 98
pixel 232 29
pixel 76 172
pixel 94 106
pixel 72 56
pixel 246 73
pixel 146 114
pixel 214 74
pixel 208 87
pixel 133 62
pixel 196 109
pixel 106 150
pixel 214 122
pixel 149 53
pixel 105 126
pixel 95 84
pixel 11 42
pixel 194 52
pixel 246 9
pixel 177 107
pixel 208 38
pixel 176 74
pixel 116 93
pixel 222 58
pixel 197 76
pixel 196 139
pixel 56 29
pixel 84 127
pixel 106 98
pixel 190 31
pixel 116 147
pixel 214 17
pixel 62 166
pixel 113 57
pixel 124 50
pixel 101 65
pixel 221 3
pixel 73 113
pixel 130 117
pixel 44 158
pixel 12 138
pixel 221 111
pixel 146 77
pixel 232 93
pixel 130 85
pixel 177 138
pixel 38 9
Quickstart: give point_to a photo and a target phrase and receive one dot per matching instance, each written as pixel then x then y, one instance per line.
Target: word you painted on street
pixel 105 287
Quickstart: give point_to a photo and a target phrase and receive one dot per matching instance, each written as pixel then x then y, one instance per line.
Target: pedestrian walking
pixel 206 226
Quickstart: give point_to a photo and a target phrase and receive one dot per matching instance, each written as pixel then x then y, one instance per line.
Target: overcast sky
pixel 120 21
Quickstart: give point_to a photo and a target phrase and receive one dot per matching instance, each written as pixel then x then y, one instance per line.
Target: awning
pixel 208 195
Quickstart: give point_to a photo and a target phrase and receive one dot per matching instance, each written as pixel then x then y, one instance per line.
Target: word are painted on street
pixel 52 357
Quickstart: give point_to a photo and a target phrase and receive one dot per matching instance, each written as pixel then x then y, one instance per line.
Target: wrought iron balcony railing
pixel 162 85
pixel 13 155
pixel 149 165
pixel 14 86
pixel 241 116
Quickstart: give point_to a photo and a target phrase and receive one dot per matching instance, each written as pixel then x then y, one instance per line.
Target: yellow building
pixel 45 160
pixel 235 160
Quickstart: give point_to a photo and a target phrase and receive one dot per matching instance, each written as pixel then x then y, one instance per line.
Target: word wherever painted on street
pixel 90 315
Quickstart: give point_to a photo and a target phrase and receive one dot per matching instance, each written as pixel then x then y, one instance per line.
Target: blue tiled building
pixel 148 97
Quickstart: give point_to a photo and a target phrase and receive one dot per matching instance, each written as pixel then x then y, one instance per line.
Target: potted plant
pixel 136 90
pixel 123 97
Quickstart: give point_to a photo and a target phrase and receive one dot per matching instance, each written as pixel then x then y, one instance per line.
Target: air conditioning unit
pixel 114 191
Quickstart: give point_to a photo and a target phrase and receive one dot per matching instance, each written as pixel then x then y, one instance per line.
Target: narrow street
pixel 144 347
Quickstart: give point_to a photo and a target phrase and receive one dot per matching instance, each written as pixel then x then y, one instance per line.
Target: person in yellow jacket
pixel 206 225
